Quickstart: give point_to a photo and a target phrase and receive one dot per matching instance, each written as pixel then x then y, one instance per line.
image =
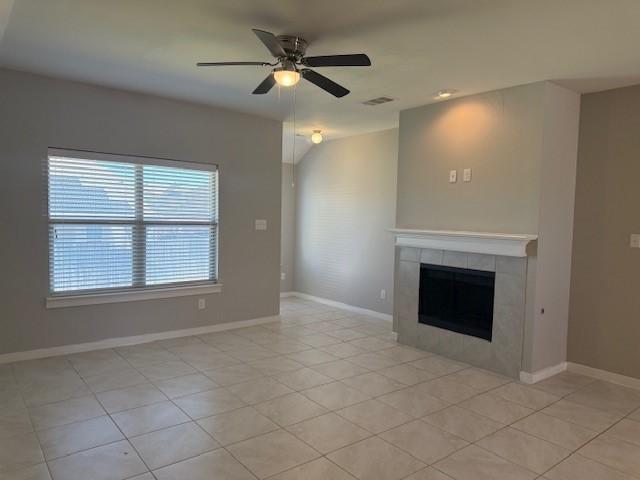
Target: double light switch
pixel 466 175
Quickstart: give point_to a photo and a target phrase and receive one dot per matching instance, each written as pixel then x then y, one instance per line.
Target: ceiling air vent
pixel 378 101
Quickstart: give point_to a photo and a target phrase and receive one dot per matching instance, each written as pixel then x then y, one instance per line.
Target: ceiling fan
pixel 291 63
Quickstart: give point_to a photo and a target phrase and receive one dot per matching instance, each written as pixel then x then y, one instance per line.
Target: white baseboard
pixel 133 340
pixel 344 306
pixel 604 375
pixel 287 294
pixel 535 377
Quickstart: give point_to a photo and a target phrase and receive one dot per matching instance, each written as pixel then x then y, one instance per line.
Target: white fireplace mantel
pixel 507 244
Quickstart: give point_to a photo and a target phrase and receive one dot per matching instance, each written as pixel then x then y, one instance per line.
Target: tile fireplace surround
pixel 506 255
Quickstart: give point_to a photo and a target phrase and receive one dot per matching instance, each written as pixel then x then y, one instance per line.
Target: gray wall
pixel 497 134
pixel 38 112
pixel 287 244
pixel 548 330
pixel 604 327
pixel 346 191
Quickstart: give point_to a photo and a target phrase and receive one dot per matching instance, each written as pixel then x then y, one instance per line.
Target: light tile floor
pixel 322 394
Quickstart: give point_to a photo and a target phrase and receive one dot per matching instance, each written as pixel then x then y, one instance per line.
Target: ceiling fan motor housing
pixel 295 47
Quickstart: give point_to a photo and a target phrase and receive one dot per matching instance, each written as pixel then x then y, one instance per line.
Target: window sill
pixel 130 295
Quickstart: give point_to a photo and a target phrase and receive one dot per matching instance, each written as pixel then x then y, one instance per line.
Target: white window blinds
pixel 125 222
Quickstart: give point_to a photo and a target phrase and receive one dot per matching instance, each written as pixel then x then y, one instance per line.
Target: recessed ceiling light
pixel 442 94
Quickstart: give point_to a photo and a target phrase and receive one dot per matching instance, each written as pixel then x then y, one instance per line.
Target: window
pixel 124 223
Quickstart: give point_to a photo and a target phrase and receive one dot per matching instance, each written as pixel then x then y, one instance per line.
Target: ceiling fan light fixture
pixel 316 137
pixel 292 63
pixel 285 77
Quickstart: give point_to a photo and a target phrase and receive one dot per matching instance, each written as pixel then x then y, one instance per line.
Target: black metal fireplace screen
pixel 457 299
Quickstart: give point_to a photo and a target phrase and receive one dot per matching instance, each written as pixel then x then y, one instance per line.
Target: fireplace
pixel 495 268
pixel 457 299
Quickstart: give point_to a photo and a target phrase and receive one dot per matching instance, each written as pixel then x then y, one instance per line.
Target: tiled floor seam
pixel 510 426
pixel 240 462
pixel 306 463
pixel 176 462
pixel 46 462
pixel 128 441
pixel 575 451
pixel 449 404
pixel 600 435
pixel 127 438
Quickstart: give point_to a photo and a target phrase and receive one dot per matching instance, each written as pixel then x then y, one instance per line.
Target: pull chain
pixel 293 162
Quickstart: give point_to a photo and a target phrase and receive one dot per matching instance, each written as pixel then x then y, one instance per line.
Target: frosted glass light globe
pixel 316 137
pixel 286 78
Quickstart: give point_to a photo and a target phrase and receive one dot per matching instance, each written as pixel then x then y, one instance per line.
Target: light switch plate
pixel 261 224
pixel 453 176
pixel 635 240
pixel 466 175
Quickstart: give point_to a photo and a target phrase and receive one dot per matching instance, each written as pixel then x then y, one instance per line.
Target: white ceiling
pixel 294 147
pixel 417 47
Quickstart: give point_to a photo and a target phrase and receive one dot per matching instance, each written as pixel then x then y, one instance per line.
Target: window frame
pixel 138 290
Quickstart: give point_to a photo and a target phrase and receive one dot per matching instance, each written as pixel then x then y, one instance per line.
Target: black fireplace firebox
pixel 457 299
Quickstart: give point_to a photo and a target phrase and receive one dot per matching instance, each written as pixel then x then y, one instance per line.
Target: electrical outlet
pixel 383 294
pixel 453 176
pixel 202 304
pixel 635 240
pixel 283 276
pixel 466 175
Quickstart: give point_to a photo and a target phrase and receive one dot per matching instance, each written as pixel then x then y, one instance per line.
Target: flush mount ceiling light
pixel 316 137
pixel 442 94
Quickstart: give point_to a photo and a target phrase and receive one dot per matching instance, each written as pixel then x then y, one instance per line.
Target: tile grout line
pixel 573 452
pixel 320 348
pixel 35 432
pixel 112 421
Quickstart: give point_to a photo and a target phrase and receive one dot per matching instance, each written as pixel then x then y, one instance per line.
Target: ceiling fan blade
pixel 225 64
pixel 355 60
pixel 266 85
pixel 324 83
pixel 271 42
